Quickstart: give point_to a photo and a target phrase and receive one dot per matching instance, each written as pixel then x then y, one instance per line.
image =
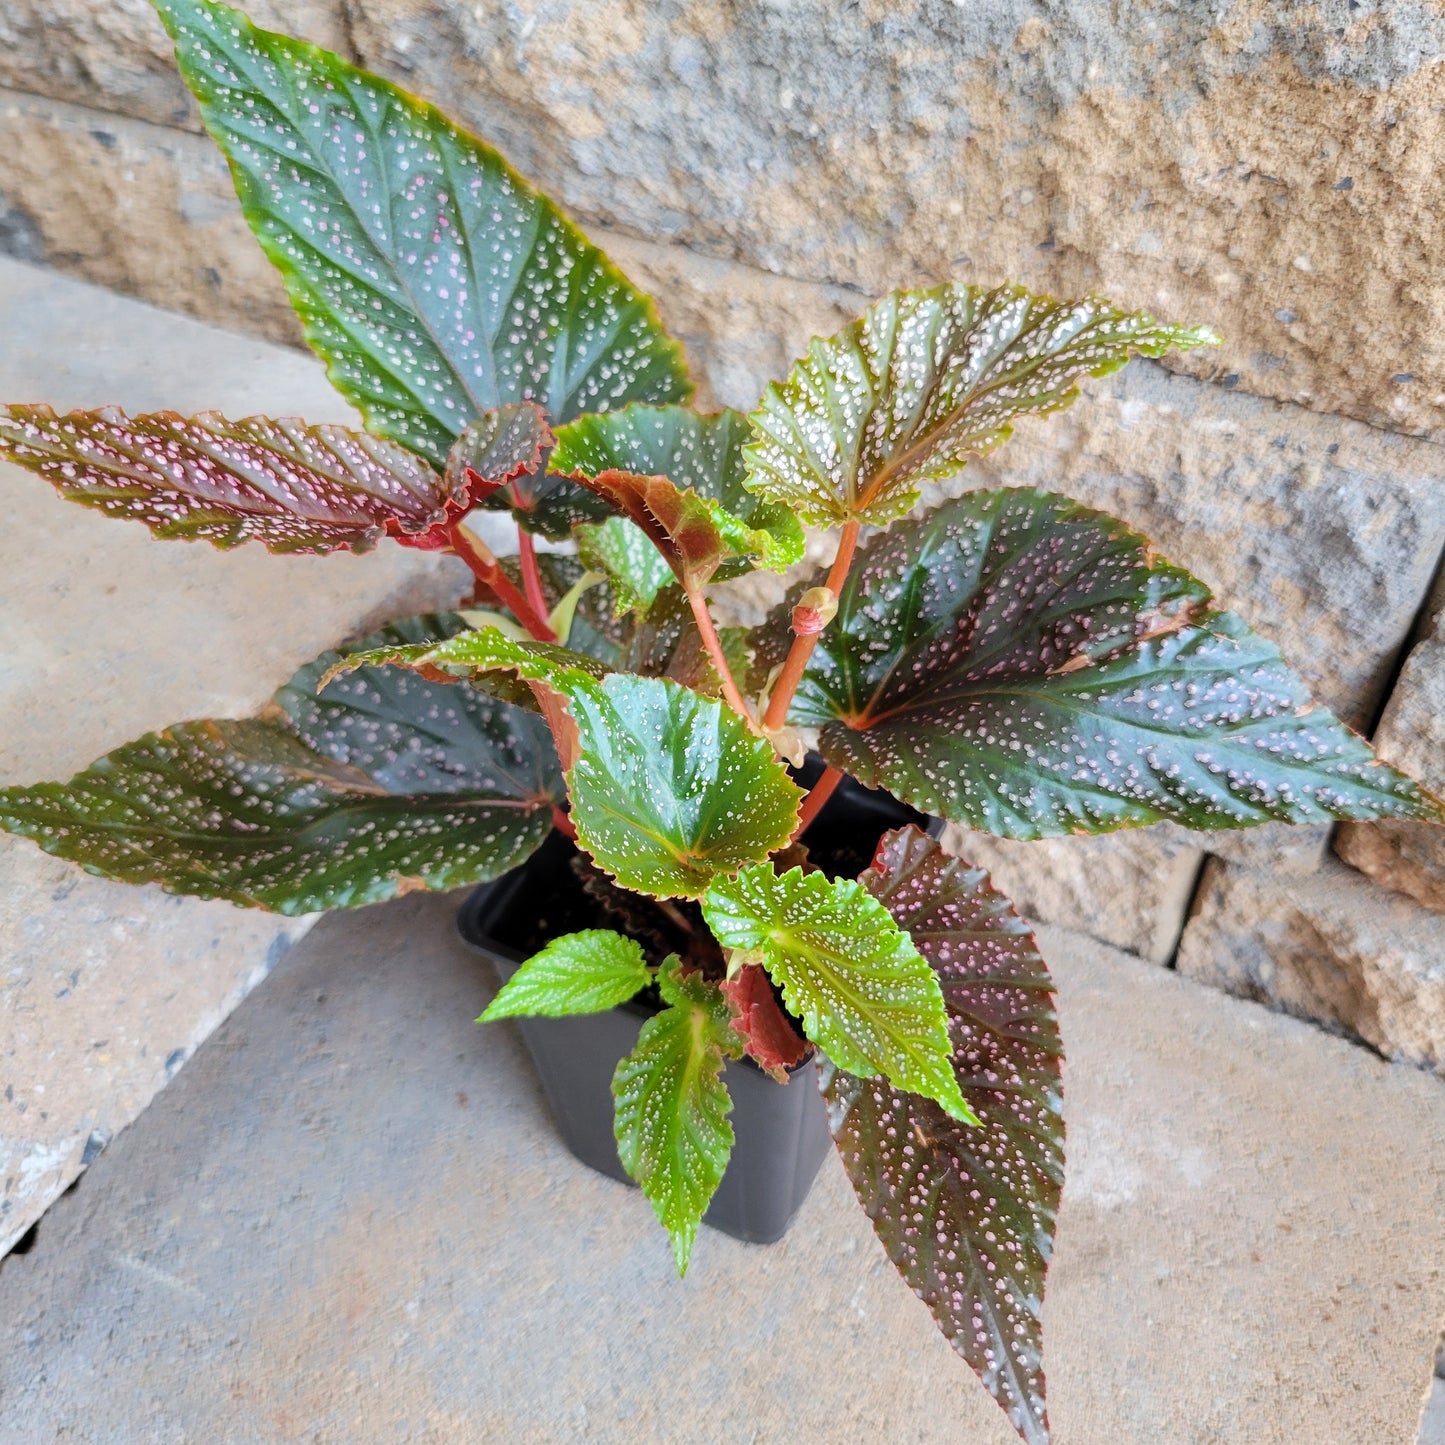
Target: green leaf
pixel 923 381
pixel 634 566
pixel 1020 664
pixel 668 788
pixel 673 1134
pixel 381 784
pixel 579 973
pixel 967 1214
pixel 290 486
pixel 697 452
pixel 434 282
pixel 847 971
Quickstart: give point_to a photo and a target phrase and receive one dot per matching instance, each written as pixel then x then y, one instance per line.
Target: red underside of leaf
pixel 773 1043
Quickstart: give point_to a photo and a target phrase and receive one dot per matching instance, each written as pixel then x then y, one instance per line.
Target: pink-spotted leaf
pixel 967 1213
pixel 435 283
pixel 290 486
pixel 380 783
pixel 1025 666
pixel 923 381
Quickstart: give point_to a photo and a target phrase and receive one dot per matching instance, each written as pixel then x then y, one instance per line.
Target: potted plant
pixel 1009 660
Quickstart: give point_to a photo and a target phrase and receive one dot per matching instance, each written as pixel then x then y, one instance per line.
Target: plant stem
pixel 713 645
pixel 488 571
pixel 796 663
pixel 531 578
pixel 818 795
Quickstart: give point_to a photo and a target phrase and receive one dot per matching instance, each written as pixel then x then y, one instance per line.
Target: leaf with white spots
pixel 967 1214
pixel 668 788
pixel 923 381
pixel 579 973
pixel 628 557
pixel 1022 665
pixel 434 282
pixel 499 448
pixel 698 453
pixel 847 971
pixel 290 486
pixel 380 784
pixel 672 1107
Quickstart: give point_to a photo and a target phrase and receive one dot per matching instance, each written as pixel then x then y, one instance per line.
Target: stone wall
pixel 767 166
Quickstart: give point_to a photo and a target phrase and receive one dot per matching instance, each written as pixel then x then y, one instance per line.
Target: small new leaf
pixel 290 486
pixel 847 971
pixel 501 446
pixel 673 1134
pixel 433 280
pixel 579 973
pixel 923 381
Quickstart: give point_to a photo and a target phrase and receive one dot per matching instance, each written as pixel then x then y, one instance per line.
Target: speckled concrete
pixel 350 1220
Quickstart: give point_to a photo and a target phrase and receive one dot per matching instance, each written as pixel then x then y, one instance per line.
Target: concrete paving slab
pixel 109 634
pixel 350 1220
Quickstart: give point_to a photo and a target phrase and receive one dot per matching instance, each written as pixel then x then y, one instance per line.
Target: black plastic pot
pixel 781 1129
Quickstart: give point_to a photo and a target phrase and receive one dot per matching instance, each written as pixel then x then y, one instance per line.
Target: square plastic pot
pixel 781 1129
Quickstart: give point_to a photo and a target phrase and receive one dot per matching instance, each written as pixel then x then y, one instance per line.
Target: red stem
pixel 818 794
pixel 796 663
pixel 531 578
pixel 713 644
pixel 488 571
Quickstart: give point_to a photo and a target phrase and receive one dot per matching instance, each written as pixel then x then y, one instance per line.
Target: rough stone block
pixel 354 1213
pixel 1409 857
pixel 1266 169
pixel 115 54
pixel 1331 947
pixel 105 989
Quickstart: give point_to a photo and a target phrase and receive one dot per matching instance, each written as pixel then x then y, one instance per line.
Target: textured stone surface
pixel 115 54
pixel 350 1217
pixel 1331 947
pixel 105 989
pixel 1266 168
pixel 1410 857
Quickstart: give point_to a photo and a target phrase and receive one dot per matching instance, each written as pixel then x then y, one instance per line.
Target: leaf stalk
pixel 488 571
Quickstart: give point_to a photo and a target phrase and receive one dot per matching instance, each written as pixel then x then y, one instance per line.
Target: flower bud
pixel 815 610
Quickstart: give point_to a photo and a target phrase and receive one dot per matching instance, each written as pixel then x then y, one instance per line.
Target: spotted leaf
pixel 381 783
pixel 923 381
pixel 699 453
pixel 1022 665
pixel 847 971
pixel 668 788
pixel 672 1107
pixel 967 1214
pixel 290 486
pixel 500 447
pixel 579 973
pixel 434 282
pixel 629 558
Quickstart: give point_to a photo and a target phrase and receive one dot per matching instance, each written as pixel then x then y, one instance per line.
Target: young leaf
pixel 293 487
pixel 579 973
pixel 773 1043
pixel 699 453
pixel 434 282
pixel 497 448
pixel 673 1134
pixel 967 1213
pixel 668 788
pixel 381 784
pixel 846 970
pixel 1020 664
pixel 924 380
pixel 632 563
